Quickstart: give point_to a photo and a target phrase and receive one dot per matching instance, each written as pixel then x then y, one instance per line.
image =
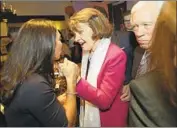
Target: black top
pixel 35 105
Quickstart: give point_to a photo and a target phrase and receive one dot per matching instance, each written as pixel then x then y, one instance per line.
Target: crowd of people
pixel 124 79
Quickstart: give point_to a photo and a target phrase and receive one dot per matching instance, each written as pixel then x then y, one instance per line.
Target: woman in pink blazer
pixel 102 71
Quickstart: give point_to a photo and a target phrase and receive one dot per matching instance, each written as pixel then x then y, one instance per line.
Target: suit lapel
pixel 138 54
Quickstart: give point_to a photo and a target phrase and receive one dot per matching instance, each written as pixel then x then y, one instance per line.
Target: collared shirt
pixel 144 65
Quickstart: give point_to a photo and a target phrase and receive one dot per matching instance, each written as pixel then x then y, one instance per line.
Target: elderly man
pixel 147 106
pixel 143 18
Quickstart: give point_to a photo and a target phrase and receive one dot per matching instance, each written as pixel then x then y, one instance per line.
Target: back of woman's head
pixel 31 52
pixel 163 47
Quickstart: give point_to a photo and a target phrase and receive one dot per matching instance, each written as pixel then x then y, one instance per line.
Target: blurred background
pixel 14 13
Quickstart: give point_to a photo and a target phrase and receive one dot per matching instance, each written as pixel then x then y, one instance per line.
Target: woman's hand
pixel 70 70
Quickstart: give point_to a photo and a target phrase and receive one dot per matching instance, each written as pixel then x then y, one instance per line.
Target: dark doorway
pixel 116 9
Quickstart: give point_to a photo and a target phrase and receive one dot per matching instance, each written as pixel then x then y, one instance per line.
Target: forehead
pixel 127 17
pixel 82 26
pixel 143 17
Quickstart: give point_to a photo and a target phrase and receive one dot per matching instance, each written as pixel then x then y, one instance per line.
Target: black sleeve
pixel 129 64
pixel 40 100
pixel 124 40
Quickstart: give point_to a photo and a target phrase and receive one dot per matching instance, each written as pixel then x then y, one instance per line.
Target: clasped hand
pixel 70 70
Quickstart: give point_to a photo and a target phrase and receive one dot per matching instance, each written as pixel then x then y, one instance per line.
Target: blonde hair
pixel 163 47
pixel 96 20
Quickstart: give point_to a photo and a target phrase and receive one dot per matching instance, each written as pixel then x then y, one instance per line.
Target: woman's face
pixel 84 37
pixel 58 46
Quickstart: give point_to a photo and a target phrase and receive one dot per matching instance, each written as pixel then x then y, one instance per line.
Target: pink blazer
pixel 113 112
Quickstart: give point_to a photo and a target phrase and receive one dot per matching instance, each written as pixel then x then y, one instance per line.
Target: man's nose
pixel 139 32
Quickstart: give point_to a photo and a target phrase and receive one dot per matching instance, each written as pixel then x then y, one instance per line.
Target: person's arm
pixel 110 86
pixel 70 103
pixel 126 94
pixel 70 71
pixel 129 64
pixel 68 100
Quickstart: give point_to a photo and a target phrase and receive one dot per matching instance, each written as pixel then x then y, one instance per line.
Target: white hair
pixel 145 5
pixel 141 4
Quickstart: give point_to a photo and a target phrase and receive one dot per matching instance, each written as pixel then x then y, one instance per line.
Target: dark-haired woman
pixel 27 79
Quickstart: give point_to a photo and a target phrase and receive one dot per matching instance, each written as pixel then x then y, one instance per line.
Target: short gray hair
pixel 140 4
pixel 143 4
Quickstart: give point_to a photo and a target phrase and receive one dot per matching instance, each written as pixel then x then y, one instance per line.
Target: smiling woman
pixel 102 71
pixel 88 28
pixel 84 37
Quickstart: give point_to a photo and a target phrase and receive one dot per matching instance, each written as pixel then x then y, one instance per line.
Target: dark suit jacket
pixel 149 105
pixel 127 41
pixel 138 54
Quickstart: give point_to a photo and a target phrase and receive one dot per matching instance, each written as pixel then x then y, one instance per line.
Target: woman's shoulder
pixel 114 46
pixel 35 83
pixel 32 87
pixel 115 52
pixel 29 93
pixel 34 91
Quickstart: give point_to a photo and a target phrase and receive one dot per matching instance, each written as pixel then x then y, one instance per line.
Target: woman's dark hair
pixel 32 52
